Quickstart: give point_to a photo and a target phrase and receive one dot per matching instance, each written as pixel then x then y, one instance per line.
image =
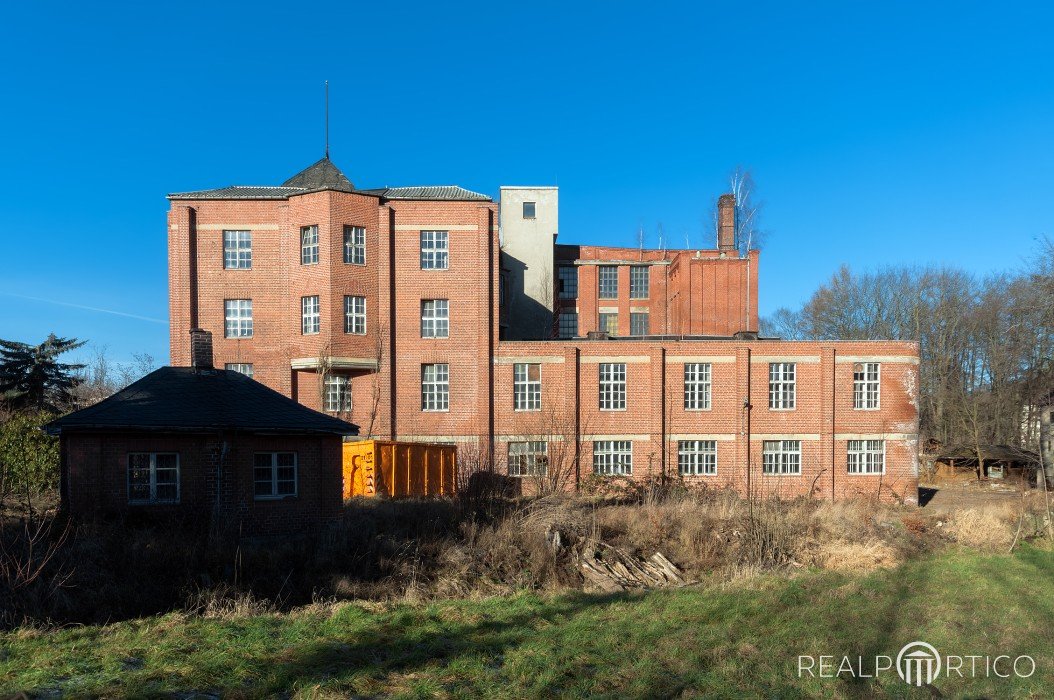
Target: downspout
pixel 491 333
pixel 391 326
pixel 578 417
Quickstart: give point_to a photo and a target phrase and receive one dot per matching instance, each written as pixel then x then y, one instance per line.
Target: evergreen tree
pixel 32 378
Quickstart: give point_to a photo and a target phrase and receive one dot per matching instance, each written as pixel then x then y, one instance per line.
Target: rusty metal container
pixel 398 469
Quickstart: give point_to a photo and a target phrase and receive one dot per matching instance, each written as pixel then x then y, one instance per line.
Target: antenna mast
pixel 327 119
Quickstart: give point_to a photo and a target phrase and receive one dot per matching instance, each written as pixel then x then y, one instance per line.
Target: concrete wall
pixel 527 260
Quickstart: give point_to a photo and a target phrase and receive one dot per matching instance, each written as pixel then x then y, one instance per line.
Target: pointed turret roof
pixel 322 175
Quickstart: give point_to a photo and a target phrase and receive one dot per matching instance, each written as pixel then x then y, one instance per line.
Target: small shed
pixel 986 462
pixel 203 444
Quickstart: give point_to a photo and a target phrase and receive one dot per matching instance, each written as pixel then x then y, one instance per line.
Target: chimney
pixel 200 348
pixel 726 222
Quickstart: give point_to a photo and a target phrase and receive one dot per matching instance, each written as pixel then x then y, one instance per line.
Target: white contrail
pixel 88 308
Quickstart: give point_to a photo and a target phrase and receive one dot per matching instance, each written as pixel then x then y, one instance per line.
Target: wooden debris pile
pixel 608 569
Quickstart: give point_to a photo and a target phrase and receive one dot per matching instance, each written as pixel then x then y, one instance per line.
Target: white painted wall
pixel 527 252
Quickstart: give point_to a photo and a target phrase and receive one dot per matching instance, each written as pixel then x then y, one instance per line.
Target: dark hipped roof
pixel 325 176
pixel 996 453
pixel 186 399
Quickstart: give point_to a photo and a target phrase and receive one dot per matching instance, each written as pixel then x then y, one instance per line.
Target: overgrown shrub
pixel 29 458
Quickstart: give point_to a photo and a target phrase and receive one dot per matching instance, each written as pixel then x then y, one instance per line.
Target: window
pixel 612 386
pixel 528 210
pixel 245 368
pixel 638 282
pixel 237 250
pixel 433 250
pixel 781 457
pixel 866 385
pixel 612 457
pixel 310 315
pixel 308 245
pixel 866 456
pixel 153 477
pixel 608 282
pixel 338 393
pixel 638 323
pixel 781 385
pixel 528 458
pixel 354 245
pixel 435 318
pixel 608 323
pixel 274 475
pixel 697 386
pixel 355 315
pixel 527 386
pixel 568 324
pixel 697 457
pixel 238 318
pixel 568 282
pixel 435 387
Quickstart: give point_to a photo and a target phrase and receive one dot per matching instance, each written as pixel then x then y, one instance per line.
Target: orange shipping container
pixel 398 469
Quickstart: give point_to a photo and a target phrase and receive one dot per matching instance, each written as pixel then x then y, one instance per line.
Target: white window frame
pixel 613 457
pixel 528 458
pixel 337 393
pixel 607 320
pixel 435 250
pixel 863 456
pixel 698 386
pixel 435 387
pixel 354 245
pixel 607 281
pixel 867 386
pixel 274 480
pixel 309 245
pixel 237 318
pixel 639 275
pixel 526 392
pixel 783 377
pixel 636 316
pixel 237 250
pixel 781 457
pixel 697 457
pixel 435 318
pixel 153 484
pixel 612 384
pixel 354 315
pixel 245 368
pixel 310 315
pixel 564 324
pixel 568 276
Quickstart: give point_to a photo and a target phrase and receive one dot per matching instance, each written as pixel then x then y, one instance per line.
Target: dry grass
pixel 988 529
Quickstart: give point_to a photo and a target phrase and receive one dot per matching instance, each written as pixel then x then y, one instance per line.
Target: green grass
pixel 727 641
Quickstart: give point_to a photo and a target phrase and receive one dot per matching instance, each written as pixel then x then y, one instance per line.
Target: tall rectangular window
pixel 781 457
pixel 866 456
pixel 310 315
pixel 608 323
pixel 528 210
pixel 355 315
pixel 435 387
pixel 638 282
pixel 153 477
pixel 612 386
pixel 638 323
pixel 274 475
pixel 245 368
pixel 529 458
pixel 866 385
pixel 612 457
pixel 338 393
pixel 568 324
pixel 308 245
pixel 568 281
pixel 237 318
pixel 527 386
pixel 354 245
pixel 697 386
pixel 781 386
pixel 434 250
pixel 697 457
pixel 435 318
pixel 237 250
pixel 608 281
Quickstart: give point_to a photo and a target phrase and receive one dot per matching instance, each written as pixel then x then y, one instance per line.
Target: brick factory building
pixel 434 314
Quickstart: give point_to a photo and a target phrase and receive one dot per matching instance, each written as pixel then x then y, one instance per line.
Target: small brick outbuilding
pixel 196 443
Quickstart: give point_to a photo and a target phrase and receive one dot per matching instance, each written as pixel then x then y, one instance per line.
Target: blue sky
pixel 878 133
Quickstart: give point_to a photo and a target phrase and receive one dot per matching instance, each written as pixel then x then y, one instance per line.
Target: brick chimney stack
pixel 200 348
pixel 726 222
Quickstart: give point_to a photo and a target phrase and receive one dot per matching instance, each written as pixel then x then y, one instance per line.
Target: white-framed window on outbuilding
pixel 612 386
pixel 245 368
pixel 866 456
pixel 613 457
pixel 338 393
pixel 697 386
pixel 354 245
pixel 867 385
pixel 527 386
pixel 434 250
pixel 308 245
pixel 781 457
pixel 782 390
pixel 153 477
pixel 274 475
pixel 237 318
pixel 237 250
pixel 528 458
pixel 697 457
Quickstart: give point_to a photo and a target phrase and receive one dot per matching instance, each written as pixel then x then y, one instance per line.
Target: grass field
pixel 733 640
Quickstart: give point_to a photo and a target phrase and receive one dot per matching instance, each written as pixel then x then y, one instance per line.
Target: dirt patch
pixel 946 498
